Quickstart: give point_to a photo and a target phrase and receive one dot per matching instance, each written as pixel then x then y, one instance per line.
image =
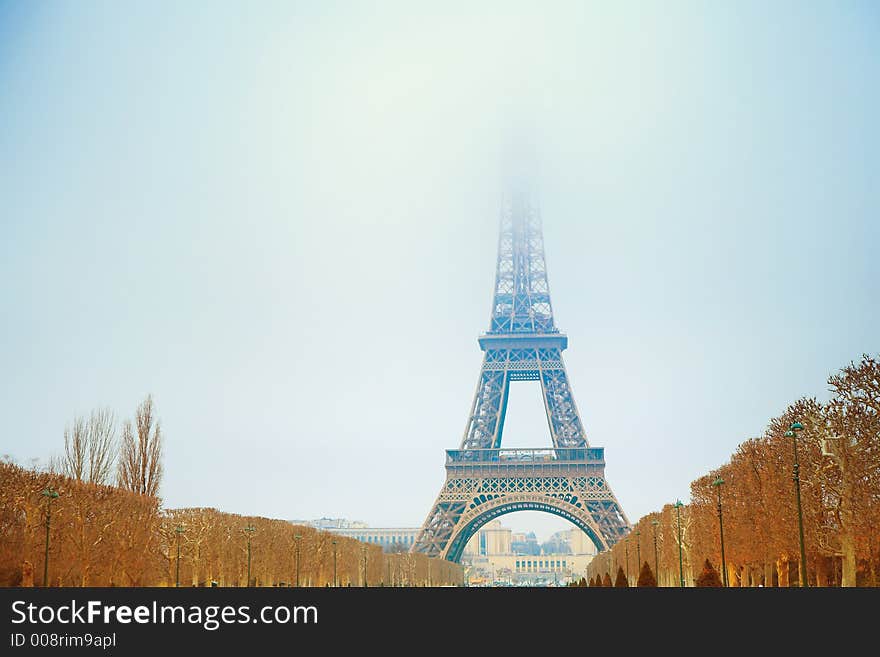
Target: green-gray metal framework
pixel 484 481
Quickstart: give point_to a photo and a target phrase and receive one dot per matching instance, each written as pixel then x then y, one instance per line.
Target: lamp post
pixel 178 530
pixel 297 538
pixel 364 551
pixel 334 562
pixel 792 432
pixel 638 553
pixel 250 529
pixel 678 506
pixel 718 483
pixel 654 524
pixel 50 494
pixel 626 552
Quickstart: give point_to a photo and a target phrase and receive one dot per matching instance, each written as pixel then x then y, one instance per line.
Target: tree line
pixel 106 526
pixel 102 535
pixel 838 453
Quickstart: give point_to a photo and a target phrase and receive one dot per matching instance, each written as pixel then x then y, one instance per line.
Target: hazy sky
pixel 280 219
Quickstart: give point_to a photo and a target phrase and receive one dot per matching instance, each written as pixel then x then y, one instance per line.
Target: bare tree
pixel 89 448
pixel 101 445
pixel 140 457
pixel 76 437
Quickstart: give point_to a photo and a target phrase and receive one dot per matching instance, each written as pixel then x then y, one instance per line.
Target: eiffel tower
pixel 484 481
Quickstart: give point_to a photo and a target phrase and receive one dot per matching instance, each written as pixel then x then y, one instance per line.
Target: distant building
pixel 556 544
pixel 495 553
pixel 580 543
pixel 392 539
pixel 490 540
pixel 527 570
pixel 525 543
pixel 330 524
pixel 569 541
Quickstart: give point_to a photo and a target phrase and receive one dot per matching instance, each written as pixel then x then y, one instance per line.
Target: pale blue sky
pixel 280 219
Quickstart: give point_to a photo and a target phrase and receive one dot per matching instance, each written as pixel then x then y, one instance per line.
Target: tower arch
pixel 471 523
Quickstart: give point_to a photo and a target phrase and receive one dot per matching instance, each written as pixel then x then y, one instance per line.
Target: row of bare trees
pixel 112 536
pixel 93 453
pixel 98 535
pixel 214 548
pixel 839 469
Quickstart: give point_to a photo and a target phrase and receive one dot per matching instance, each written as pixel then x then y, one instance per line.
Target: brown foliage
pixel 107 536
pixel 99 535
pixel 839 469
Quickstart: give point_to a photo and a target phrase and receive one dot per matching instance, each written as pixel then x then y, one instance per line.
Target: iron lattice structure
pixel 484 481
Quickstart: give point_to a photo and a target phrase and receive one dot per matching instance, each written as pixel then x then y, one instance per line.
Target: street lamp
pixel 364 551
pixel 638 552
pixel 50 494
pixel 297 538
pixel 654 524
pixel 678 506
pixel 178 530
pixel 792 432
pixel 626 552
pixel 334 562
pixel 718 483
pixel 250 529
